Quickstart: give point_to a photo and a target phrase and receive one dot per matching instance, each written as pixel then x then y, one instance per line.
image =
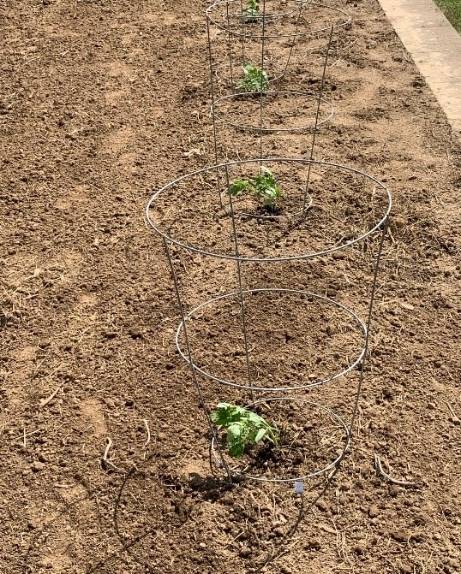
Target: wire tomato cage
pixel 257 104
pixel 326 208
pixel 254 243
pixel 269 36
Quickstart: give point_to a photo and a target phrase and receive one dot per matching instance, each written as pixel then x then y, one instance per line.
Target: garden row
pixel 272 210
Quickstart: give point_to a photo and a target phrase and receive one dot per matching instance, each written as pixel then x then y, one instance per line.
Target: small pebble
pixel 37 466
pixel 394 490
pixel 373 511
pixel 400 535
pixel 321 505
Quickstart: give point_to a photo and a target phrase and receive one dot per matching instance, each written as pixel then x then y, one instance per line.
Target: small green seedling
pixel 267 188
pixel 254 79
pixel 251 12
pixel 264 186
pixel 244 428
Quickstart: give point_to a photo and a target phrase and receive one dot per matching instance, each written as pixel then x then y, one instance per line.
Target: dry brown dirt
pixel 100 103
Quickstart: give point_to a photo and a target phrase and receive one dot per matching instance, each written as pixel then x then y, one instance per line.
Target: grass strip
pixel 452 10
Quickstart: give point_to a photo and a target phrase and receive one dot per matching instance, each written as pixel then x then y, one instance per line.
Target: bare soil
pixel 101 103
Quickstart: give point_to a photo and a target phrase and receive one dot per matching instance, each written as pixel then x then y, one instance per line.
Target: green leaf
pixel 260 435
pixel 251 11
pixel 244 427
pixel 224 414
pixel 235 430
pixel 237 449
pixel 254 79
pixel 266 187
pixel 225 407
pixel 255 419
pixel 238 186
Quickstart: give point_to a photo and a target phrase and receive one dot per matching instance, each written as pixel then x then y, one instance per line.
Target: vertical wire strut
pixel 369 317
pixel 242 32
pixel 295 38
pixel 229 45
pixel 198 388
pixel 302 512
pixel 317 115
pixel 212 93
pixel 240 290
pixel 261 93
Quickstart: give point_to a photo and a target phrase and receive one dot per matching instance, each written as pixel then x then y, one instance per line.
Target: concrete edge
pixel 435 47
